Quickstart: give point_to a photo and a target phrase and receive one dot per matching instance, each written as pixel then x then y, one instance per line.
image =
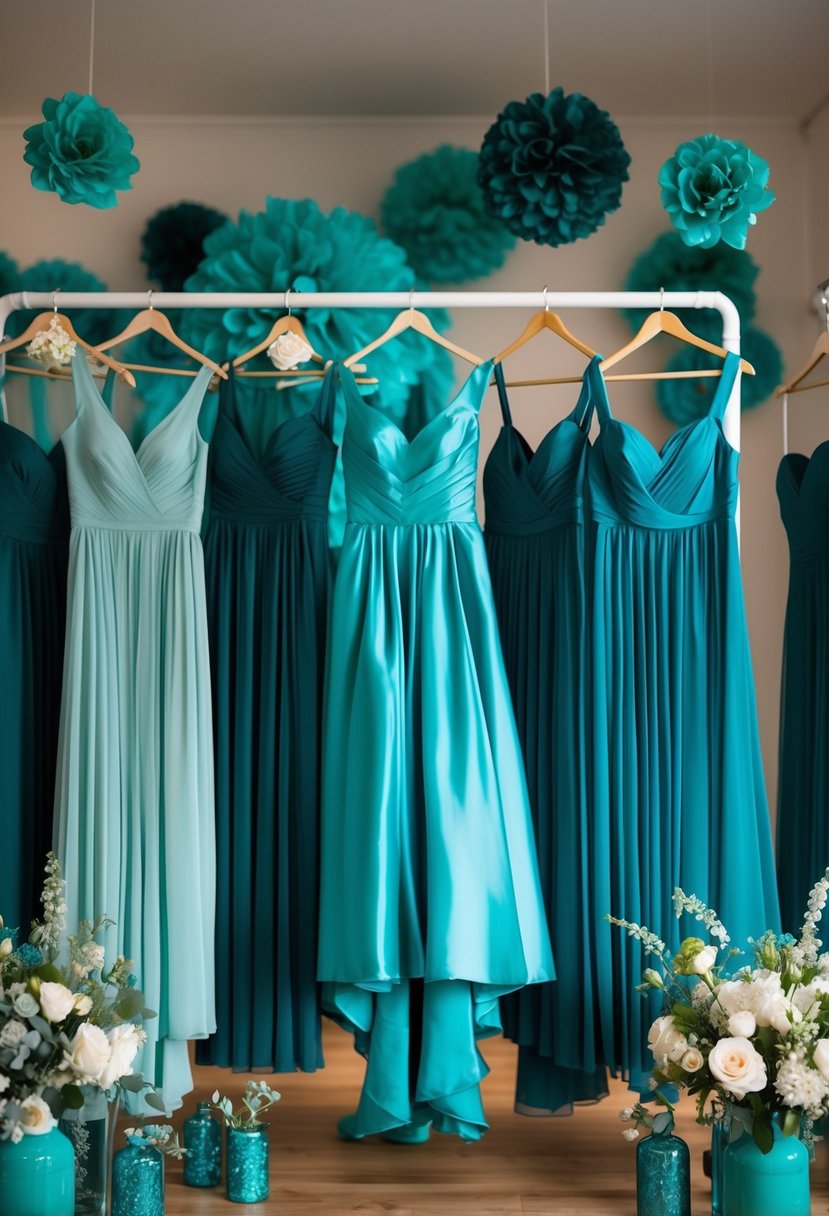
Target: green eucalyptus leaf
pixel 662 1124
pixel 763 1134
pixel 50 973
pixel 72 1097
pixel 791 1123
pixel 130 1005
pixel 155 1101
pixel 133 1082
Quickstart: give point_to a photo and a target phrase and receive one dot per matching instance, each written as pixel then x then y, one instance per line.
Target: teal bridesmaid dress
pixel 431 906
pixel 803 794
pixel 678 790
pixel 535 544
pixel 34 542
pixel 134 802
pixel 267 567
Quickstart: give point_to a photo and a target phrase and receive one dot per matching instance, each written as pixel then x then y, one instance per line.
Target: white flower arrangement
pixel 257 1098
pixel 756 1043
pixel 52 347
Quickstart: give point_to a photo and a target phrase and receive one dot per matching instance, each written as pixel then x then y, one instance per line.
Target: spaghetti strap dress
pixel 134 823
pixel 431 905
pixel 803 794
pixel 534 537
pixel 267 566
pixel 678 788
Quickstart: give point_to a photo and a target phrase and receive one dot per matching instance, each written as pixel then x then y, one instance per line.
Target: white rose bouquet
pixel 756 1042
pixel 63 1025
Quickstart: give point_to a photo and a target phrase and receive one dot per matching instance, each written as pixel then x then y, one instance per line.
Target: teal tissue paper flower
pixel 712 189
pixel 684 401
pixel 94 325
pixel 81 151
pixel 294 244
pixel 172 244
pixel 552 168
pixel 435 211
pixel 9 274
pixel 672 264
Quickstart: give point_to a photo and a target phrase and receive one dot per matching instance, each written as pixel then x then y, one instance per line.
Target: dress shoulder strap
pixel 593 395
pixel 731 367
pixel 500 384
pixel 325 406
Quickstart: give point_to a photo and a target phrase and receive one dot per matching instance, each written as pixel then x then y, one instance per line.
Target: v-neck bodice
pixel 33 503
pixel 159 486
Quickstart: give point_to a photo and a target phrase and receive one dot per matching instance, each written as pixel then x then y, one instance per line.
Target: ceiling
pixel 417 57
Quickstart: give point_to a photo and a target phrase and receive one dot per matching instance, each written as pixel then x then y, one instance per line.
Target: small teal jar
pixel 775 1183
pixel 247 1164
pixel 137 1180
pixel 663 1176
pixel 37 1176
pixel 203 1142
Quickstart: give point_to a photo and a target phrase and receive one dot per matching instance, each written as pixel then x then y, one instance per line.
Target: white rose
pixel 821 1057
pixel 6 947
pixel 94 955
pixel 704 960
pixel 56 1001
pixel 36 1117
pixel 90 1052
pixel 124 1042
pixel 693 1060
pixel 665 1041
pixel 83 1004
pixel 738 1067
pixel 287 350
pixel 742 1024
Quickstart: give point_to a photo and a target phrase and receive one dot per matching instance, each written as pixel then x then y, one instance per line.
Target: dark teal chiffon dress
pixel 267 571
pixel 678 789
pixel 535 544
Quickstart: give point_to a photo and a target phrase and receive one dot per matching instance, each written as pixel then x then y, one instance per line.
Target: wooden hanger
pixel 411 318
pixel 18 369
pixel 150 319
pixel 662 322
pixel 539 322
pixel 820 351
pixel 43 321
pixel 286 324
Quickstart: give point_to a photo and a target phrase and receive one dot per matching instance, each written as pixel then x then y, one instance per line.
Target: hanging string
pixel 91 43
pixel 546 4
pixel 710 55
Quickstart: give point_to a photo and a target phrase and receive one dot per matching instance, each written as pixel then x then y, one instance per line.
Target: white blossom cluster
pixel 49 933
pixel 701 912
pixel 810 943
pixel 650 942
pixel 53 346
pixel 801 1085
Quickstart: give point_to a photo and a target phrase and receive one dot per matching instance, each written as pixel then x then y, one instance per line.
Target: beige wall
pixel 235 164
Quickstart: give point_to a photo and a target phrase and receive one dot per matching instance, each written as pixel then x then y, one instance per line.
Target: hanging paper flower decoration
pixel 82 151
pixel 172 244
pixel 9 274
pixel 294 244
pixel 435 210
pixel 686 400
pixel 94 325
pixel 552 168
pixel 672 264
pixel 712 189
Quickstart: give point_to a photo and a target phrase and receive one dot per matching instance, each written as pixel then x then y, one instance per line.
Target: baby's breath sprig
pixel 701 912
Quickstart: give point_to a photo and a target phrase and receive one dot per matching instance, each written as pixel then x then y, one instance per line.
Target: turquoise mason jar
pixel 247 1164
pixel 138 1180
pixel 766 1184
pixel 663 1176
pixel 203 1142
pixel 37 1176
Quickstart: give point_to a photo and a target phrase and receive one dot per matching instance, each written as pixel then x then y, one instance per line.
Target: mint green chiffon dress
pixel 134 802
pixel 677 780
pixel 431 907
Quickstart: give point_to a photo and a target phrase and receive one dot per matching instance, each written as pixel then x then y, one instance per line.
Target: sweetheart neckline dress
pixel 134 802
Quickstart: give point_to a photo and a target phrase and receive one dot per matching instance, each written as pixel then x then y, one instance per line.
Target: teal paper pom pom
pixel 686 400
pixel 552 168
pixel 672 264
pixel 9 274
pixel 293 244
pixel 82 151
pixel 712 189
pixel 94 325
pixel 172 245
pixel 435 210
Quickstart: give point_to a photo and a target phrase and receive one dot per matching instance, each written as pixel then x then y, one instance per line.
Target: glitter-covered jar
pixel 203 1142
pixel 247 1164
pixel 138 1180
pixel 663 1177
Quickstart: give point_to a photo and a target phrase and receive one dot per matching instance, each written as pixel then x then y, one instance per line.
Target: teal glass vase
pixel 663 1176
pixel 766 1184
pixel 247 1164
pixel 203 1142
pixel 88 1130
pixel 37 1176
pixel 138 1181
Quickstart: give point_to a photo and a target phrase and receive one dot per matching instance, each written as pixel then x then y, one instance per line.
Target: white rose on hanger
pixel 288 350
pixel 738 1066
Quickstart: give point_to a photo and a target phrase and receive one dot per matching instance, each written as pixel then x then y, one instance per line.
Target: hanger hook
pixel 150 304
pixel 55 294
pixel 288 300
pixel 824 299
pixel 661 299
pixel 544 296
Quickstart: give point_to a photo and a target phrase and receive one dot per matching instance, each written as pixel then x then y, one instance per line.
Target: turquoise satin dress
pixel 134 825
pixel 803 796
pixel 678 789
pixel 535 544
pixel 431 906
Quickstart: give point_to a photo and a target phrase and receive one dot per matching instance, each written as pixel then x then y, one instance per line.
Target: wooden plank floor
pixel 565 1167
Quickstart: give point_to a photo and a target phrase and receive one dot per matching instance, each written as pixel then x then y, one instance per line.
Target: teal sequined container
pixel 138 1181
pixel 203 1142
pixel 663 1177
pixel 247 1165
